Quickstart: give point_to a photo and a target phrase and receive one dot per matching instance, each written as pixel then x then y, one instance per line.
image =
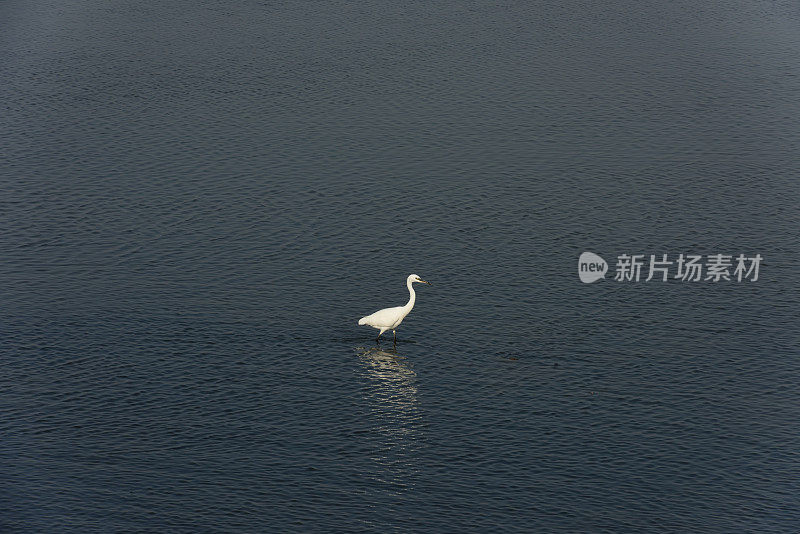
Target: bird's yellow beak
pixel 424 282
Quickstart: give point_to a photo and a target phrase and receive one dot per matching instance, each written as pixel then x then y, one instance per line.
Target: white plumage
pixel 390 318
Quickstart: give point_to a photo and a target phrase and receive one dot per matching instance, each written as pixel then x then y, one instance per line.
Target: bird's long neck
pixel 411 297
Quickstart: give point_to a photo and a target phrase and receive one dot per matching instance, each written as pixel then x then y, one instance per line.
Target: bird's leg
pixel 394 340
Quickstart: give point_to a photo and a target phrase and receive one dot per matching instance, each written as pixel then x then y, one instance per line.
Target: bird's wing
pixel 384 317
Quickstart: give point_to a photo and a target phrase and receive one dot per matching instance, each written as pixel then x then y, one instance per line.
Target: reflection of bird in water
pixel 393 384
pixel 396 420
pixel 386 364
pixel 390 318
pixel 393 380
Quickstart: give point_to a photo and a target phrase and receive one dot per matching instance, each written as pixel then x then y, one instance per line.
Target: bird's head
pixel 414 278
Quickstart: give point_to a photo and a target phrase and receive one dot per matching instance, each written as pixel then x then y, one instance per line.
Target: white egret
pixel 390 318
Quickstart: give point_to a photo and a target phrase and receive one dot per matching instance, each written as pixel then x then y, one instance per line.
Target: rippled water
pixel 200 199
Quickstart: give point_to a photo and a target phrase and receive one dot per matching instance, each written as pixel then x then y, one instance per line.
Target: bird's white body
pixel 390 318
pixel 386 318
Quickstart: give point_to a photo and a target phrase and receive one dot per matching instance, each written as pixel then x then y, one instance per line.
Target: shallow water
pixel 201 199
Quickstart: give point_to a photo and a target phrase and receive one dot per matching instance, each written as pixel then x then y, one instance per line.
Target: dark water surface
pixel 200 199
